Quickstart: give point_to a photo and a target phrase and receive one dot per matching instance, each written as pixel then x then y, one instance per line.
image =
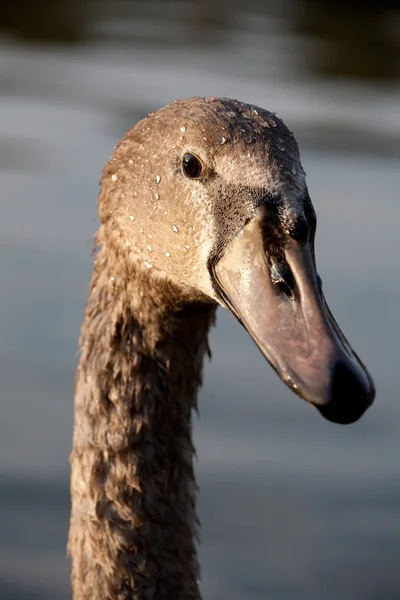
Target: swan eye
pixel 192 166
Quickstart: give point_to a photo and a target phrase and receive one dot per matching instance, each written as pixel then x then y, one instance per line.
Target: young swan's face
pixel 211 194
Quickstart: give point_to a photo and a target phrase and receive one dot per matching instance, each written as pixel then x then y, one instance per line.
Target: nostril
pixel 284 288
pixel 282 278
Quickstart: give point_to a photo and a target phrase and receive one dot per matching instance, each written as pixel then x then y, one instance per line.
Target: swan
pixel 203 203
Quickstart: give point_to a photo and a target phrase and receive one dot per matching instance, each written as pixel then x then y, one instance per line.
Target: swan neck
pixel 133 521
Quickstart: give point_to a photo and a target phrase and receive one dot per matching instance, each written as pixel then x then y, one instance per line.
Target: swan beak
pixel 281 305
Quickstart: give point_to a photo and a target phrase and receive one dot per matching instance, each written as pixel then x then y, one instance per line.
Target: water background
pixel 292 507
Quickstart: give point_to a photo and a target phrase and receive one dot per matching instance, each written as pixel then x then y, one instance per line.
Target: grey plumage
pixel 151 303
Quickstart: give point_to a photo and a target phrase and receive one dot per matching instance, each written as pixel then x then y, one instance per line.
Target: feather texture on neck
pixel 133 521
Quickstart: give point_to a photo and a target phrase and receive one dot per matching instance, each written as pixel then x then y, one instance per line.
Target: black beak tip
pixel 351 394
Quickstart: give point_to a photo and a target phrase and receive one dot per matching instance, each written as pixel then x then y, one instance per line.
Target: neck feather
pixel 133 521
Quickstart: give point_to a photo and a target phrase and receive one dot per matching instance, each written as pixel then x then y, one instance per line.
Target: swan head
pixel 210 194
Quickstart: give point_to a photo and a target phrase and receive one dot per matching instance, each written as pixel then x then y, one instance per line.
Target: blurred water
pixel 292 507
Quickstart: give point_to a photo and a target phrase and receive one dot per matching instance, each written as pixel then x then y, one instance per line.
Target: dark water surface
pixel 292 506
